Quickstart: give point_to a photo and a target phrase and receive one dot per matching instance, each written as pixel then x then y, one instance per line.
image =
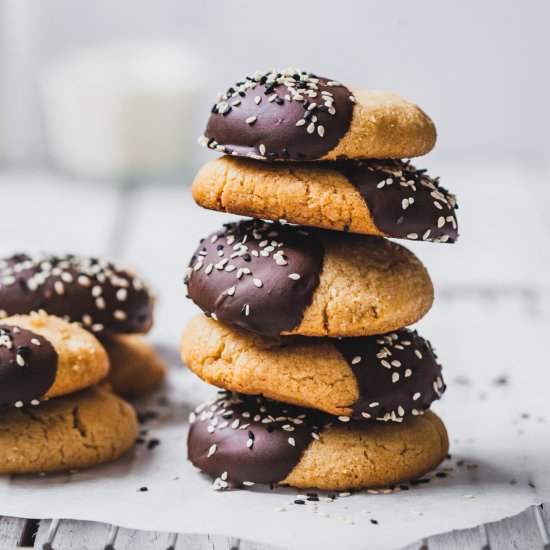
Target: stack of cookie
pixel 304 327
pixel 106 299
pixel 53 413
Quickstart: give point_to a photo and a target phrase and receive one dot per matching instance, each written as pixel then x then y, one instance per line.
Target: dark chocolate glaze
pixel 94 292
pixel 256 275
pixel 28 366
pixel 389 186
pixel 239 439
pixel 397 374
pixel 292 115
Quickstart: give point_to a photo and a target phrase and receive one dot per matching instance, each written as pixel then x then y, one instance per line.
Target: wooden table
pixel 504 209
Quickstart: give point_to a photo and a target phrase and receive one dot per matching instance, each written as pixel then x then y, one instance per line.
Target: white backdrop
pixel 480 69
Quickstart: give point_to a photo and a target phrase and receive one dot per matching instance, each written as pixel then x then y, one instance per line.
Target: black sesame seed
pixel 24 351
pixel 143 489
pixel 246 257
pixel 441 474
pixel 374 521
pixel 279 101
pixel 299 501
pixel 153 443
pixel 251 435
pixel 312 494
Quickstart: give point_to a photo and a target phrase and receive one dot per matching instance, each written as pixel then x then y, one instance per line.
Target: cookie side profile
pixel 93 292
pixel 384 377
pixel 292 115
pixel 388 198
pixel 277 279
pixel 136 369
pixel 67 433
pixel 43 356
pixel 241 440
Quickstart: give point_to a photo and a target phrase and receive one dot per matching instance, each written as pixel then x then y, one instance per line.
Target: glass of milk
pixel 122 112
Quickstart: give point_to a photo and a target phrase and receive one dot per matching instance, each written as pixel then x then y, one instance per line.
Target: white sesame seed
pixel 231 291
pixel 395 377
pixel 374 404
pixel 418 353
pixel 262 149
pixel 408 373
pixel 294 276
pixel 416 396
pixel 18 404
pixel 412 236
pixel 356 359
pixel 291 441
pixel 258 283
pixel 251 120
pixel 211 450
pixel 344 418
pixel 20 360
pixel 119 315
pixel 365 415
pixel 301 122
pixel 400 411
pixel 311 128
pixel 257 100
pixel 321 130
pixel 35 341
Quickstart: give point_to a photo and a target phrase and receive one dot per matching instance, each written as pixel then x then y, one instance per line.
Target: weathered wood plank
pixel 10 531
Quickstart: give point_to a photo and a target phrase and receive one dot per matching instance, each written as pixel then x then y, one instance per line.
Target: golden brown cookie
pixel 291 115
pixel 66 433
pixel 388 198
pixel 241 440
pixel 136 369
pixel 383 377
pixel 279 279
pixel 43 356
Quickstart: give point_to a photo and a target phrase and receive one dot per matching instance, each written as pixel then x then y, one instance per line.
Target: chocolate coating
pixel 241 440
pixel 28 366
pixel 397 374
pixel 94 292
pixel 283 115
pixel 259 276
pixel 404 202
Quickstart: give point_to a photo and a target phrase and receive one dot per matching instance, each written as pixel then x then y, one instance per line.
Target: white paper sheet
pixel 499 433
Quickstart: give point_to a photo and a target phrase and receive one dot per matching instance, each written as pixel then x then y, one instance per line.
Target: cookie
pixel 43 356
pixel 136 369
pixel 276 279
pixel 388 198
pixel 94 292
pixel 241 440
pixel 292 115
pixel 67 433
pixel 383 377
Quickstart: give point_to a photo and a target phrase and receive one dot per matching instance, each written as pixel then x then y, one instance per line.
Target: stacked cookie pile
pixel 304 327
pixel 54 414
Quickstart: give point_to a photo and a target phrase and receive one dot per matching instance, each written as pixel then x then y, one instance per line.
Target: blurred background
pixel 480 69
pixel 96 96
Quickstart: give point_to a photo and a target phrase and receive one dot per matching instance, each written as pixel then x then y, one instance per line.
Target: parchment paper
pixel 494 353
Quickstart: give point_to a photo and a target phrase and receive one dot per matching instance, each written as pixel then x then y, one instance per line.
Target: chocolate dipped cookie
pixel 76 431
pixel 240 441
pixel 385 377
pixel 293 115
pixel 42 356
pixel 387 198
pixel 276 279
pixel 96 293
